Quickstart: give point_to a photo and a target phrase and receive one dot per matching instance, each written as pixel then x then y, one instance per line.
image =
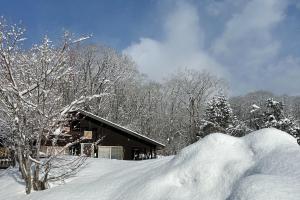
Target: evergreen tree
pixel 256 118
pixel 275 117
pixel 218 116
pixel 219 112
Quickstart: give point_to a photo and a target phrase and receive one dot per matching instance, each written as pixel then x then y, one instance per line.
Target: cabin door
pixel 104 152
pixel 111 152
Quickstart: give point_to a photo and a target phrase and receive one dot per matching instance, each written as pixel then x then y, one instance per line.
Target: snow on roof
pixel 117 126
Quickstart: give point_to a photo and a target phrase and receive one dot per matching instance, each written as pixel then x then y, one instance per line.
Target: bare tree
pixel 31 96
pixel 186 94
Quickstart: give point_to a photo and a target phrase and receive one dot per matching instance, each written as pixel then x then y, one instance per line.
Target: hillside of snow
pixel 262 165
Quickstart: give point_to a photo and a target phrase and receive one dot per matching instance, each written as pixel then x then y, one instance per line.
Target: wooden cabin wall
pixel 114 137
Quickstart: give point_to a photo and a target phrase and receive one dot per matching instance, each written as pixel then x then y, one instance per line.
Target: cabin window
pixel 88 134
pixel 111 152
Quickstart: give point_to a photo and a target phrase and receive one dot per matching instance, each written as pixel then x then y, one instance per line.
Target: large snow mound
pixel 262 165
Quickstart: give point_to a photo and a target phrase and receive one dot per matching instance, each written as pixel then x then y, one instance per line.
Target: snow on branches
pixel 32 95
pixel 274 116
pixel 219 117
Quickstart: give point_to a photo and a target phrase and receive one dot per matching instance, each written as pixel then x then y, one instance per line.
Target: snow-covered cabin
pixel 105 139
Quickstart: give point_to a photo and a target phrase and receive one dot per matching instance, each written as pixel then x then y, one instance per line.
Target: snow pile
pixel 262 165
pixel 11 185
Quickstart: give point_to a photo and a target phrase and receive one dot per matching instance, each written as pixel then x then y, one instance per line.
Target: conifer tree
pixel 218 116
pixel 275 117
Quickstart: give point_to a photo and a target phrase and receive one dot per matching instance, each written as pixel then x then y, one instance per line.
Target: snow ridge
pixel 263 165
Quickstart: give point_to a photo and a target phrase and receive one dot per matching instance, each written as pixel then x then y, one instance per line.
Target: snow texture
pixel 262 165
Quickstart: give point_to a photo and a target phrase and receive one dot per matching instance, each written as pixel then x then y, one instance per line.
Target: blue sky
pixel 116 23
pixel 254 44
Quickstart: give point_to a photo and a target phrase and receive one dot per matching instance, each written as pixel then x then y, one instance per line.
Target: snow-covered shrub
pixel 220 118
pixel 219 112
pixel 275 117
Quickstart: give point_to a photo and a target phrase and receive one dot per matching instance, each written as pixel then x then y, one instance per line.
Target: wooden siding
pixel 113 137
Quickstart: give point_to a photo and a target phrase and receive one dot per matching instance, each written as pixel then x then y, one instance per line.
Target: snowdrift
pixel 262 165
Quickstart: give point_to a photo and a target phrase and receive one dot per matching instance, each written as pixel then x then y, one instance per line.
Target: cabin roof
pixel 121 128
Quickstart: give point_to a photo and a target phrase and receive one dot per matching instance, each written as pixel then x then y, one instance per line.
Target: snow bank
pixel 262 165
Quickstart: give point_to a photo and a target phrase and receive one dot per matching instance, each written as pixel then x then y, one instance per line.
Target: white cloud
pixel 219 8
pixel 245 48
pixel 285 76
pixel 182 46
pixel 248 34
pixel 248 46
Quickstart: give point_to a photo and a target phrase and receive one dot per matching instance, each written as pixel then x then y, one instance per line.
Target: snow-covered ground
pixel 263 165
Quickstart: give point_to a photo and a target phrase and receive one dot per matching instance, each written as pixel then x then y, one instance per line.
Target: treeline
pixel 253 111
pixel 169 111
pixel 242 105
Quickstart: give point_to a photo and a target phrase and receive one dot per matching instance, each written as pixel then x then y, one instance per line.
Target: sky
pixel 254 44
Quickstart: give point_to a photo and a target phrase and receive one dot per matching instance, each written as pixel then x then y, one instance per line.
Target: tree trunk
pixel 37 183
pixel 28 178
pixel 25 168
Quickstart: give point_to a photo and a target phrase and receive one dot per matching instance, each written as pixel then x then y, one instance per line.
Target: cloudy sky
pixel 254 44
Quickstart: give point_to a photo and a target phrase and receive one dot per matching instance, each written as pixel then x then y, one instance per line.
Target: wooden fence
pixel 54 150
